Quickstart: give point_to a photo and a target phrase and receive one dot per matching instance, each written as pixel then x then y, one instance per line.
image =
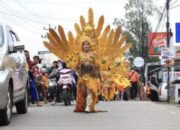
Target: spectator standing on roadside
pixel 33 89
pixel 153 83
pixel 134 79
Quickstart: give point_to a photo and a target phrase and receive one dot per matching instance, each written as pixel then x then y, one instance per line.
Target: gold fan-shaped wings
pixel 108 44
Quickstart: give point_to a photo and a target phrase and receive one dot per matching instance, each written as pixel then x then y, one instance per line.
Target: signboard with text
pixel 172 75
pixel 167 57
pixel 177 28
pixel 156 41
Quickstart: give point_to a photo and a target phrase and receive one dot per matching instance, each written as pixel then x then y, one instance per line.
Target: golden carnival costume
pixel 106 49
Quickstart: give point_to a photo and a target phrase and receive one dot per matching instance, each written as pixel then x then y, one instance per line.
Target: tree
pixel 136 22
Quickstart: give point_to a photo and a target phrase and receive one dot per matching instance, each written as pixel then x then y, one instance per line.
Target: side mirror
pixel 18 47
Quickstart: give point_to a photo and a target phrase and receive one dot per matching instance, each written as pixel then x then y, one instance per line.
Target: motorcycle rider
pixel 53 69
pixel 58 89
pixel 53 75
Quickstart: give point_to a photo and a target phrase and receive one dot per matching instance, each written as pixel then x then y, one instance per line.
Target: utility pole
pixel 168 45
pixel 46 29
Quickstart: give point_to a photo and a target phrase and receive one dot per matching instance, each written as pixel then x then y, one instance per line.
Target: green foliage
pixel 137 24
pixel 153 59
pixel 130 39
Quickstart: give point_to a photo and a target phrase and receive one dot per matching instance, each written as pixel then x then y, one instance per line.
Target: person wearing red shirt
pixel 33 88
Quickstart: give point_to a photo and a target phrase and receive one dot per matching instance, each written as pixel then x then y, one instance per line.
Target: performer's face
pixel 86 46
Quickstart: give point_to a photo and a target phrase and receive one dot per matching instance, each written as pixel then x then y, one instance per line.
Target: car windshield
pixel 1 36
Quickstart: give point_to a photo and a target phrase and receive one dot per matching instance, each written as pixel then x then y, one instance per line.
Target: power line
pixel 158 25
pixel 17 18
pixel 173 2
pixel 66 3
pixel 10 9
pixel 163 25
pixel 28 10
pixel 43 16
pixel 22 16
pixel 175 6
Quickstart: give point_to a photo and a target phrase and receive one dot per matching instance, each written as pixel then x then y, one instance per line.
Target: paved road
pixel 133 115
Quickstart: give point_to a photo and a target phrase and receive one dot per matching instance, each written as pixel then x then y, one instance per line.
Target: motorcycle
pixel 52 84
pixel 66 81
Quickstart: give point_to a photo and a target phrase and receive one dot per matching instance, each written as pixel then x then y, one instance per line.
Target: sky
pixel 29 18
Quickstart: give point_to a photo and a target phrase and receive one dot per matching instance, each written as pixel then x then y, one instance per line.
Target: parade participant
pixel 108 86
pixel 87 93
pixel 89 53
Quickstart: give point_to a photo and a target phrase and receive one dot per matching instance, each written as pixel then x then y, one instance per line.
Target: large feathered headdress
pixel 107 44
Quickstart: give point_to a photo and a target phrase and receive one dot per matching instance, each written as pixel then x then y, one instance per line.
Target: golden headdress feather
pixel 108 44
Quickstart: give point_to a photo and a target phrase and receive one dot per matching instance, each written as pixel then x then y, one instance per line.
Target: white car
pixel 13 73
pixel 162 92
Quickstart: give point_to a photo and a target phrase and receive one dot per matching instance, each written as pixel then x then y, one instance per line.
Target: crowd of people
pixel 86 98
pixel 137 90
pixel 39 76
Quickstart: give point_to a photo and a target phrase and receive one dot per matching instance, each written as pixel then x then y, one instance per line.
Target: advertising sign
pixel 177 32
pixel 138 62
pixel 156 41
pixel 172 75
pixel 167 57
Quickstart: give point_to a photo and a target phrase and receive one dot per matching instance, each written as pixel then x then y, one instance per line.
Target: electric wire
pixel 158 25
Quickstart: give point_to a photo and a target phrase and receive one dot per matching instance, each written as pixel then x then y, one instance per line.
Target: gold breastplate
pixel 86 58
pixel 86 64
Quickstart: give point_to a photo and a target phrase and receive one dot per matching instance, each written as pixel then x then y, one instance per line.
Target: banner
pixel 167 57
pixel 177 32
pixel 156 41
pixel 173 75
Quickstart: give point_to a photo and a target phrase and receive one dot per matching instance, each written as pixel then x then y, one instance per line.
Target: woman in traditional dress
pixel 87 88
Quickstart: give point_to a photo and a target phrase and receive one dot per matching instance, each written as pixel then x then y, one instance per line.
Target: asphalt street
pixel 121 115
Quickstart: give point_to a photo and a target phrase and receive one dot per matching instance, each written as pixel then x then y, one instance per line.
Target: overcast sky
pixel 28 17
